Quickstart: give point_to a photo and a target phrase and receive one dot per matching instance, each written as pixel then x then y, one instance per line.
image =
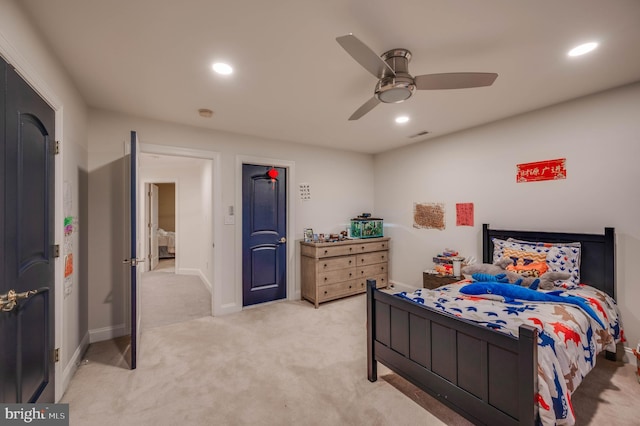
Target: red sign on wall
pixel 542 170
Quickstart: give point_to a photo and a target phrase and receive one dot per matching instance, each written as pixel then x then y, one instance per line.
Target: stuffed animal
pixel 510 293
pixel 545 281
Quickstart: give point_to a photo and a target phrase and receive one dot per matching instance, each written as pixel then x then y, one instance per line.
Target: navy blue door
pixel 27 237
pixel 264 222
pixel 134 295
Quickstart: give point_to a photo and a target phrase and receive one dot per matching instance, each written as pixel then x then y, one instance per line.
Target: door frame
pixel 35 80
pixel 293 293
pixel 217 307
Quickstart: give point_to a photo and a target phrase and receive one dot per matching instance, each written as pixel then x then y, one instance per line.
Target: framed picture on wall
pixel 308 235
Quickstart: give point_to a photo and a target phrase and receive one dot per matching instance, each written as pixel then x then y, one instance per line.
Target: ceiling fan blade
pixel 365 108
pixel 365 56
pixel 454 80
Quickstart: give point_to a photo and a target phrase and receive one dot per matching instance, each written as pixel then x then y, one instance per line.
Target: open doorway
pixel 178 234
pixel 161 220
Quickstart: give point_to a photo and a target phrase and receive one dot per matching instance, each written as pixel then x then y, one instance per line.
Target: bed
pixel 166 244
pixel 488 376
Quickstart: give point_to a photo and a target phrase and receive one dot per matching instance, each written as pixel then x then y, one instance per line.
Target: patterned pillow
pixel 559 257
pixel 533 269
pixel 522 257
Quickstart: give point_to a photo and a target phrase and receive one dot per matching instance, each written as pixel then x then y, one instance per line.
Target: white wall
pixel 341 183
pixel 22 46
pixel 598 135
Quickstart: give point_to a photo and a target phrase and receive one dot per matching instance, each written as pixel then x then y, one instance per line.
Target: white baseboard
pixel 629 357
pixel 107 333
pixel 74 362
pixel 398 286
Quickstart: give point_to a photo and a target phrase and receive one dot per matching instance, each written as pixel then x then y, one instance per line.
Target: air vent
pixel 422 133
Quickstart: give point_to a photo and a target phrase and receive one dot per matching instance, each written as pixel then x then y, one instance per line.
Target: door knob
pixel 283 240
pixel 9 301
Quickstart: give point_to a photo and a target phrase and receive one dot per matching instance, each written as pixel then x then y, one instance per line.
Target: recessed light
pixel 582 49
pixel 402 119
pixel 222 68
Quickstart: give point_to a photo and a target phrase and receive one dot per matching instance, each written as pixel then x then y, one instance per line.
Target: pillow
pixel 522 257
pixel 569 247
pixel 574 244
pixel 558 257
pixel 533 269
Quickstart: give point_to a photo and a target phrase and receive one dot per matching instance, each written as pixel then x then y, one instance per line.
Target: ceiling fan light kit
pixel 395 84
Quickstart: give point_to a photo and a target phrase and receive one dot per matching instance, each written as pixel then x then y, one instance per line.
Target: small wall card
pixel 464 214
pixel 542 170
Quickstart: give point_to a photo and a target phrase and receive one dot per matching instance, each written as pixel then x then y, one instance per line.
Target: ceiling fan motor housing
pixel 399 87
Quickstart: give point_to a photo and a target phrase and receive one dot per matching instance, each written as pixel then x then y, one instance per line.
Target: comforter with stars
pixel 568 338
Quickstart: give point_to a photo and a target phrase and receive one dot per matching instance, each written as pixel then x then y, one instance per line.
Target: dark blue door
pixel 264 222
pixel 27 267
pixel 133 260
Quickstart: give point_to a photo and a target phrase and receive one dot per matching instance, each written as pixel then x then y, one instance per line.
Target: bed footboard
pixel 486 376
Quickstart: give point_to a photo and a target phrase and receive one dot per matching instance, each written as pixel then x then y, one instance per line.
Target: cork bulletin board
pixel 428 215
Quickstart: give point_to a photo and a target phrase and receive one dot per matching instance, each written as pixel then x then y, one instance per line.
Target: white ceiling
pixel 294 82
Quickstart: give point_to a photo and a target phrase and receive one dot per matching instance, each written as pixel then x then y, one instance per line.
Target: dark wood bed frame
pixel 487 376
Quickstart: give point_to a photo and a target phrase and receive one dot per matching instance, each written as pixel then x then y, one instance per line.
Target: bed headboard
pixel 598 257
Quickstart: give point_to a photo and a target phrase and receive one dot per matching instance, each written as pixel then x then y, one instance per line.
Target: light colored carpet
pixel 167 298
pixel 284 363
pixel 166 265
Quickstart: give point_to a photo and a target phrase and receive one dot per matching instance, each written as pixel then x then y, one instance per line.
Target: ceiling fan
pixel 395 84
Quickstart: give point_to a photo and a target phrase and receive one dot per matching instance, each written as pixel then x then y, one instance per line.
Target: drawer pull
pixel 325 292
pixel 362 247
pixel 362 272
pixel 350 274
pixel 349 286
pixel 361 260
pixel 349 262
pixel 326 251
pixel 382 245
pixel 325 265
pixel 382 268
pixel 325 278
pixel 350 248
pixel 383 257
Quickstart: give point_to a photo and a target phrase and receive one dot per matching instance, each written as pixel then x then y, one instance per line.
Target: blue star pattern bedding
pixel 570 331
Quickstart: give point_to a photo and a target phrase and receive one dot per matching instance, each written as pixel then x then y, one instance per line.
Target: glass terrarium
pixel 366 227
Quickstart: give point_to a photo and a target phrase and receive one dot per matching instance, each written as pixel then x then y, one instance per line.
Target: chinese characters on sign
pixel 542 170
pixel 464 214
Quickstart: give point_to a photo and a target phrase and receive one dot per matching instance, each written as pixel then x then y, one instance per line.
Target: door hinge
pixel 56 355
pixel 56 148
pixel 56 250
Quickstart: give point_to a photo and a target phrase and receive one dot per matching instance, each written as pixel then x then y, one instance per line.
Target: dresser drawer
pixel 332 264
pixel 371 258
pixel 381 281
pixel 366 247
pixel 334 291
pixel 371 270
pixel 339 275
pixel 322 252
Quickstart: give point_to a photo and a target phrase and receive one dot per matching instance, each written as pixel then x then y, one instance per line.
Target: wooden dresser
pixel 335 270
